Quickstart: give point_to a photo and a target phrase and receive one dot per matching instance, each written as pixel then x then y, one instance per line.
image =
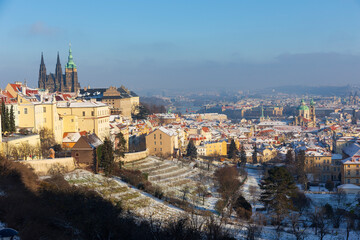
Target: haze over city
pixel 148 45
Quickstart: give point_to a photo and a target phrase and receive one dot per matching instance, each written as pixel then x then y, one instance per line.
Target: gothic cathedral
pixel 67 82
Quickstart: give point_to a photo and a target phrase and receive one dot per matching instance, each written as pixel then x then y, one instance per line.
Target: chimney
pixel 23 90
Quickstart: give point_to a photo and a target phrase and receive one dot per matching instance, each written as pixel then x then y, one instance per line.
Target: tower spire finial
pixel 58 59
pixel 70 63
pixel 42 59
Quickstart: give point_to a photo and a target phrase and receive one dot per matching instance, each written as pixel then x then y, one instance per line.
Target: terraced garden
pixel 177 179
pixel 119 192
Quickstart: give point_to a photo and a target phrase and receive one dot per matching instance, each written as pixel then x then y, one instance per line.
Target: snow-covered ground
pixel 140 203
pixel 173 176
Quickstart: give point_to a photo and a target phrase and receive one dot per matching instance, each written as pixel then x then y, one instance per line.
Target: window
pixel 155 149
pixel 160 149
pixel 357 172
pixel 92 113
pixel 154 136
pixel 357 180
pixel 348 172
pixel 25 110
pixel 44 109
pixel 44 120
pixel 348 166
pixel 357 165
pixel 160 142
pixel 160 135
pixel 20 100
pixel 154 142
pixel 72 120
pixel 83 113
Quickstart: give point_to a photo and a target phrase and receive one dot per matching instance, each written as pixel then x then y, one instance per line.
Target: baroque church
pixel 67 82
pixel 306 116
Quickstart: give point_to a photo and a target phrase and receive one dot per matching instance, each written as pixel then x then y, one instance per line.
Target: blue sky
pixel 184 44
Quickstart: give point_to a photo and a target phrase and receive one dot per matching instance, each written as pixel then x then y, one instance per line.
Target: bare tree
pixel 253 230
pixel 350 223
pixel 297 230
pixel 185 190
pixel 340 197
pixel 322 225
pixel 253 193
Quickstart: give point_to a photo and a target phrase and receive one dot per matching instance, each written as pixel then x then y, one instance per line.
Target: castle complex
pixel 67 82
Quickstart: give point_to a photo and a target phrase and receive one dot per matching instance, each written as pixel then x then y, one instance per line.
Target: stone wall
pixel 129 157
pixel 49 166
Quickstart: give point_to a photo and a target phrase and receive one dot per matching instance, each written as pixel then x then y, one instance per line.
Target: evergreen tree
pixel 277 189
pixel 2 117
pixel 254 155
pixel 289 157
pixel 191 150
pixel 107 157
pixel 243 155
pixel 140 112
pixel 232 150
pixel 300 168
pixel 6 120
pixel 12 120
pixel 120 147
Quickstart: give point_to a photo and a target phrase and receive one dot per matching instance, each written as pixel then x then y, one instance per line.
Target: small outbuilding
pixel 84 150
pixel 349 188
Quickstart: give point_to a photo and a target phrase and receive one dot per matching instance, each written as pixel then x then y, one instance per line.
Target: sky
pixel 182 44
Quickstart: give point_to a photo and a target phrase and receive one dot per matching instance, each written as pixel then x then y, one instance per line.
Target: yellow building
pixel 162 142
pixel 35 115
pixel 212 148
pixel 351 170
pixel 92 116
pixel 70 123
pixel 25 145
pixel 321 166
pixel 120 100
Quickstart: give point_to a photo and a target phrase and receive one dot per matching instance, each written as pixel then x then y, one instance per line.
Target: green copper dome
pixel 303 106
pixel 70 63
pixel 312 103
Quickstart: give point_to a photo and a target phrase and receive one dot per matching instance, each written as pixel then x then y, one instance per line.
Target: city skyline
pixel 143 45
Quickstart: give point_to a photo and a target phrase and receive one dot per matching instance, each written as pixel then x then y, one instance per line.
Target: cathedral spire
pixel 58 59
pixel 70 63
pixel 42 59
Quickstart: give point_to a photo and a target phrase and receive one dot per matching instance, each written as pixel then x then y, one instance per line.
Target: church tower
pixel 71 78
pixel 58 75
pixel 262 118
pixel 312 112
pixel 42 74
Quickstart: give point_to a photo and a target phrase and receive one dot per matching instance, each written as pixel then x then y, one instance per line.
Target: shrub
pixel 242 208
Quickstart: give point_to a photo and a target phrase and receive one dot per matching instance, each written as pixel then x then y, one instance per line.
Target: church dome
pixel 303 106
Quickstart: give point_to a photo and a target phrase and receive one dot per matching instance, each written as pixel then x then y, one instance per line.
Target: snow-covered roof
pixel 85 104
pixel 167 131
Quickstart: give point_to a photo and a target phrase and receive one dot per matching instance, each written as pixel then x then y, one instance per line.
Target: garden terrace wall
pixel 44 166
pixel 129 157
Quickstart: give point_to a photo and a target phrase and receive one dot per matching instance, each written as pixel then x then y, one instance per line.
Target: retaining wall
pixel 129 157
pixel 48 166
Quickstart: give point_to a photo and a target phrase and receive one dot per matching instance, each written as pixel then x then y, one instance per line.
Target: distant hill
pixel 319 90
